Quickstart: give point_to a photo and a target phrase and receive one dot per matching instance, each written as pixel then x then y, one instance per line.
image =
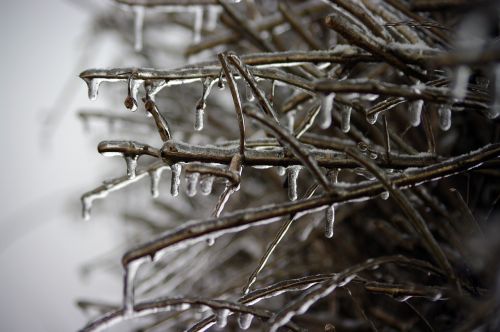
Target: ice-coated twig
pixel 176 304
pixel 291 142
pixel 414 217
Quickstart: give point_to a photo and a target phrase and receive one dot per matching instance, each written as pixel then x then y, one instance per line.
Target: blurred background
pixel 47 162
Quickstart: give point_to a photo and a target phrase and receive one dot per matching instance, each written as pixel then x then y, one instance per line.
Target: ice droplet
pixel 202 103
pixel 444 113
pixel 210 241
pixel 93 87
pixel 221 315
pixel 245 320
pixel 292 174
pixel 384 195
pixel 155 176
pixel 460 81
pixel 326 110
pixel 192 183
pixel 131 161
pixel 346 118
pixel 138 27
pixel 176 179
pixel 415 110
pixel 330 221
pixel 206 185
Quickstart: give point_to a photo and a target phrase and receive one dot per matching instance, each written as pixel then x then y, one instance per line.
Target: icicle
pixel 133 91
pixel 494 110
pixel 248 93
pixel 346 118
pixel 273 91
pixel 221 315
pixel 93 87
pixel 220 80
pixel 459 82
pixel 202 103
pixel 330 221
pixel 206 184
pixel 290 117
pixel 372 118
pixel 384 195
pixel 293 174
pixel 86 207
pixel 192 183
pixel 128 284
pixel 444 113
pixel 155 176
pixel 131 162
pixel 138 27
pixel 281 170
pixel 176 179
pixel 415 109
pixel 198 24
pixel 245 320
pixel 326 110
pixel 212 16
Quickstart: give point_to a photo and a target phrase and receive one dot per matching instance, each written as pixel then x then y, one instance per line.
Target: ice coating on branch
pixel 206 184
pixel 326 110
pixel 153 87
pixel 444 113
pixel 202 103
pixel 155 176
pixel 221 316
pixel 131 162
pixel 460 81
pixel 245 320
pixel 415 109
pixel 176 179
pixel 138 26
pixel 345 122
pixel 292 174
pixel 192 183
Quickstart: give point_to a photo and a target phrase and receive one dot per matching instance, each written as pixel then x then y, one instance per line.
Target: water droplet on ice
pixel 384 195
